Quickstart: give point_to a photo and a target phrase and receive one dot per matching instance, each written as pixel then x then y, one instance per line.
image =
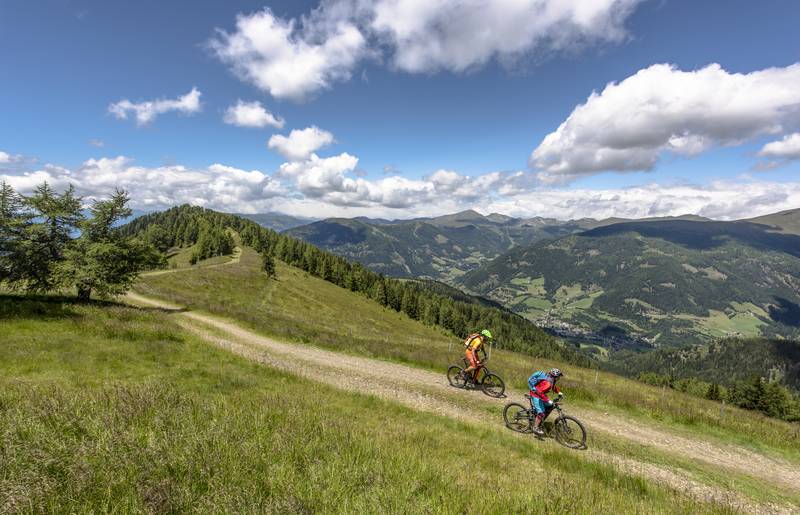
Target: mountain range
pixel 662 281
pixel 442 248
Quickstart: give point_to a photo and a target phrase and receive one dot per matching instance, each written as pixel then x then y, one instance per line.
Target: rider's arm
pixel 542 388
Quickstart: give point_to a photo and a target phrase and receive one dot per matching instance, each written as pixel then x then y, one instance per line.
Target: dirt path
pixel 235 257
pixel 429 391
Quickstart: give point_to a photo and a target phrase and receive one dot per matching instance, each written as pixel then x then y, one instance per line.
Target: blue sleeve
pixel 532 380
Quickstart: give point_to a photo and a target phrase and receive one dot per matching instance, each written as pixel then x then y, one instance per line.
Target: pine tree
pixel 379 292
pixel 42 244
pixel 713 393
pixel 102 261
pixel 158 237
pixel 408 305
pixel 268 264
pixel 13 224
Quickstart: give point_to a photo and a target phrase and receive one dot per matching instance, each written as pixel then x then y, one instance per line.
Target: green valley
pixel 666 283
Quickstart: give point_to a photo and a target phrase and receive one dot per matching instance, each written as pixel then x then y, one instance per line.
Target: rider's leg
pixel 539 407
pixel 472 358
pixel 469 372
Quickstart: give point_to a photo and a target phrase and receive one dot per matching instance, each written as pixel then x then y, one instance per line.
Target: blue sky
pixel 413 115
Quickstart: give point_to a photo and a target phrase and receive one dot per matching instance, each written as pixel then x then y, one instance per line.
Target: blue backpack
pixel 538 377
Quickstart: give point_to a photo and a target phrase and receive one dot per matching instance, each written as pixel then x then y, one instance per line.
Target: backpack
pixel 469 339
pixel 537 378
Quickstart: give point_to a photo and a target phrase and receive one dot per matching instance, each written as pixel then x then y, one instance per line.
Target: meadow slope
pixel 700 449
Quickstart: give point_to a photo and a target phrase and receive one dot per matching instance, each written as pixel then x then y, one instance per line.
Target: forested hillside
pixel 724 361
pixel 674 282
pixel 187 225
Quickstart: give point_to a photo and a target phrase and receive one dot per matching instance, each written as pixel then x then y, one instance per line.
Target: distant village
pixel 613 341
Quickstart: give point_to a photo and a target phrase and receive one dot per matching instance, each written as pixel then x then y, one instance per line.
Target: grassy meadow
pixel 110 408
pixel 305 309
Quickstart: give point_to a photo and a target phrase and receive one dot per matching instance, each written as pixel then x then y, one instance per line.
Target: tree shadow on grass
pixel 52 307
pixel 38 307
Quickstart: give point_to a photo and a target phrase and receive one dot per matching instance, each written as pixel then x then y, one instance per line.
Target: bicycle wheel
pixel 455 376
pixel 569 432
pixel 493 386
pixel 517 417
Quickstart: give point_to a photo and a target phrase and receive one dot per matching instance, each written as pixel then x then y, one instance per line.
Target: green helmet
pixel 486 333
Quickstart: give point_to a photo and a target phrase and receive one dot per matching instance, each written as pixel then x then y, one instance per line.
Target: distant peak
pixel 461 217
pixel 469 213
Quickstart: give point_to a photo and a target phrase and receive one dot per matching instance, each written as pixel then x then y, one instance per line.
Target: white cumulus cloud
pixel 147 111
pixel 460 34
pixel 335 181
pixel 251 114
pixel 787 148
pixel 294 58
pixel 724 200
pixel 287 59
pixel 57 177
pixel 216 186
pixel 300 143
pixel 630 124
pixel 330 186
pixel 5 157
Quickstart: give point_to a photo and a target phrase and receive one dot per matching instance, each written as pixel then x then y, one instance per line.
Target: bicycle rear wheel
pixel 493 386
pixel 569 432
pixel 517 418
pixel 456 377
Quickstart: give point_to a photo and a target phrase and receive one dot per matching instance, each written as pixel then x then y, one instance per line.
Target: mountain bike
pixel 566 429
pixel 491 384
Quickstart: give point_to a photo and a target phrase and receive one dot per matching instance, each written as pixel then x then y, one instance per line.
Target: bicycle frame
pixel 481 368
pixel 532 412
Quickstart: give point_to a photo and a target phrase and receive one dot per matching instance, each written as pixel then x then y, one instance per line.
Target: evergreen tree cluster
pixel 183 228
pixel 183 225
pixel 754 393
pixel 48 244
pixel 212 241
pixel 725 361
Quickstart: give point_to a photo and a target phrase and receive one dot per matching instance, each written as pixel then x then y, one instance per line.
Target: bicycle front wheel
pixel 569 432
pixel 493 386
pixel 456 377
pixel 517 417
